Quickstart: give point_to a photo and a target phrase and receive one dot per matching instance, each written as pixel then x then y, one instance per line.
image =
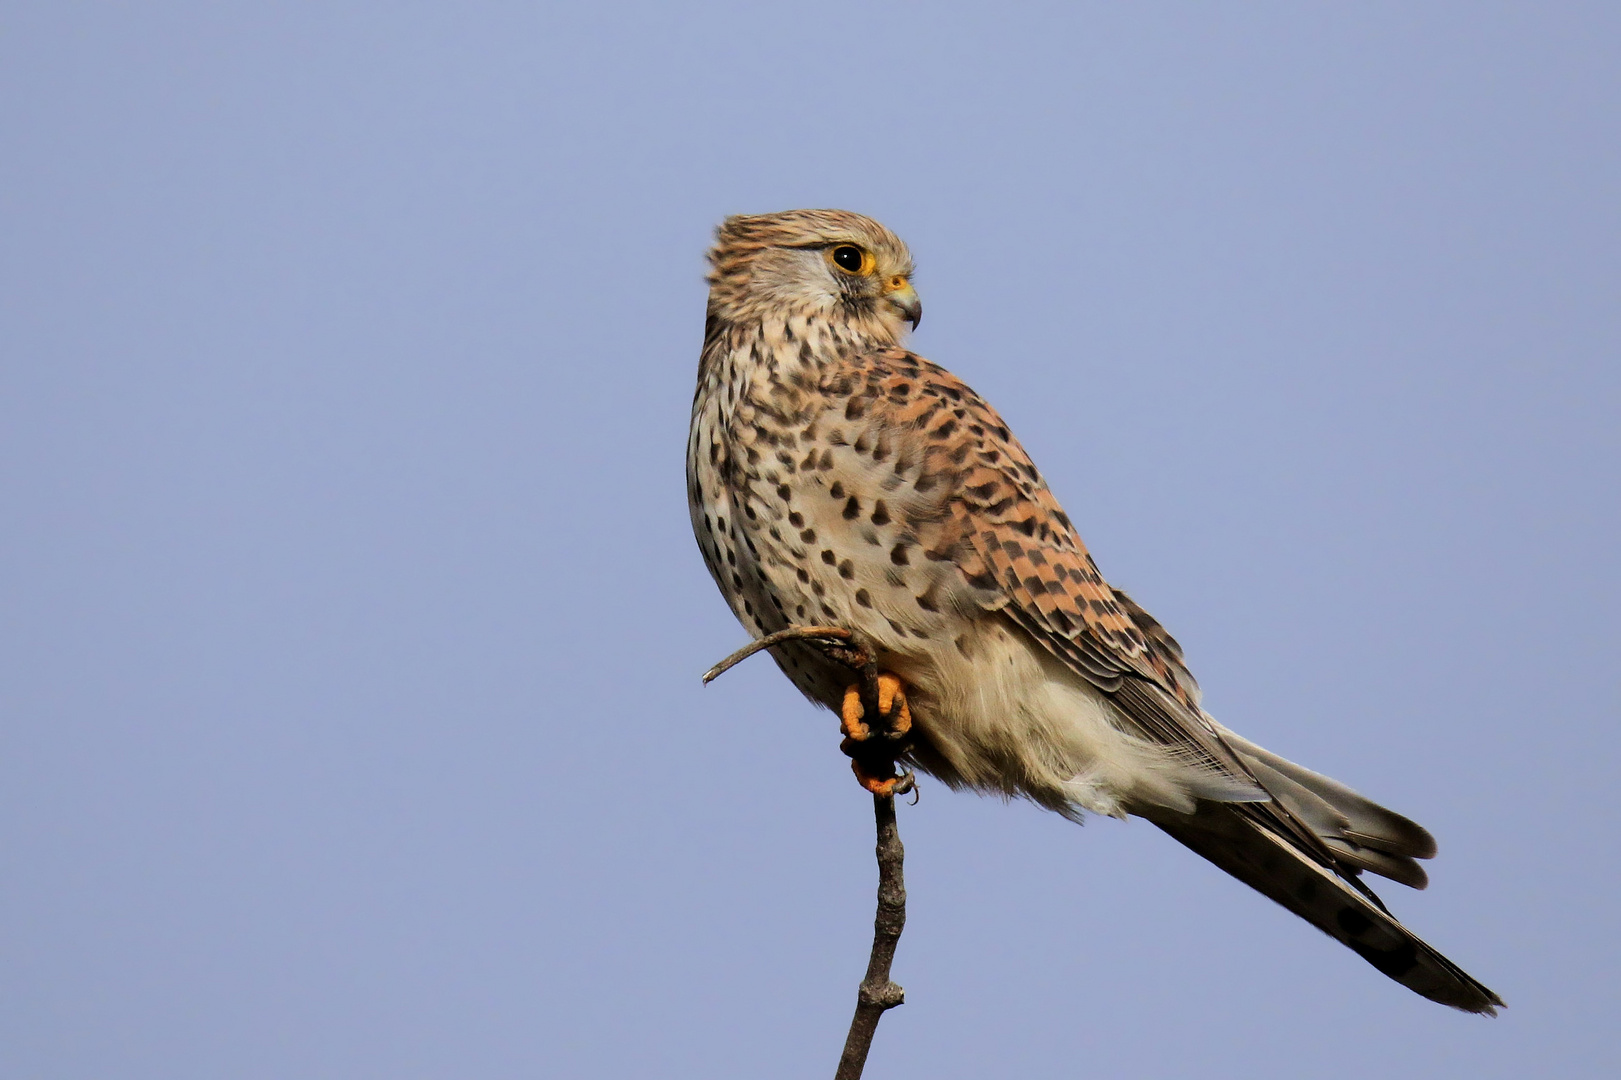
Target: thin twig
pixel 876 755
pixel 793 633
pixel 877 993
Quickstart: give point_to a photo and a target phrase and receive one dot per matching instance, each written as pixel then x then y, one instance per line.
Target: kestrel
pixel 836 478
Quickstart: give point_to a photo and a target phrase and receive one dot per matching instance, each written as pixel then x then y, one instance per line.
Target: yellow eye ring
pixel 851 259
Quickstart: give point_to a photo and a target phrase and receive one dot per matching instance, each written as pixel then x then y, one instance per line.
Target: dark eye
pixel 849 258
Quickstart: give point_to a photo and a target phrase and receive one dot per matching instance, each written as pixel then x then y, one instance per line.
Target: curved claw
pixel 884 787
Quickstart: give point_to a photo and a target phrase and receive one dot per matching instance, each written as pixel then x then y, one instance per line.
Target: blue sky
pixel 352 627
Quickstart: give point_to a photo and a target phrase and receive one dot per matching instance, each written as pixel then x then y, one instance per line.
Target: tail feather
pixel 1404 871
pixel 1359 831
pixel 1243 842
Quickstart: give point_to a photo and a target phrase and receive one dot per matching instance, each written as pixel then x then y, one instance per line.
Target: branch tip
pixel 793 633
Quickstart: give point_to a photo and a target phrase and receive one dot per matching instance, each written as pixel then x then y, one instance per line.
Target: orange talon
pixel 890 695
pixel 892 706
pixel 882 788
pixel 851 713
pixel 896 722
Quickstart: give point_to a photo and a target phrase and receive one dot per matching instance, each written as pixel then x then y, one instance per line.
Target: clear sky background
pixel 350 722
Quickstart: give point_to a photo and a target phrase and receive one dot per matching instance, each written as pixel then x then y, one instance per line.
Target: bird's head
pixel 831 264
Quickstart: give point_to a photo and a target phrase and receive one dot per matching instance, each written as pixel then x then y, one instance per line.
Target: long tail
pixel 1305 849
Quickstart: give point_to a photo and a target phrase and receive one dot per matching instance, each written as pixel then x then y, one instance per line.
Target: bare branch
pixel 878 994
pixel 875 756
pixel 793 633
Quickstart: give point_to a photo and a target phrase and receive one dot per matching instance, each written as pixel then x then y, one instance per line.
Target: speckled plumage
pixel 835 477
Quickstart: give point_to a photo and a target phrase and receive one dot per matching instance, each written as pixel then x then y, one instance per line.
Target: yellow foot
pixel 892 707
pixel 883 787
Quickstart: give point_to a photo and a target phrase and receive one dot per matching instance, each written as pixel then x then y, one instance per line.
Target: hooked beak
pixel 899 291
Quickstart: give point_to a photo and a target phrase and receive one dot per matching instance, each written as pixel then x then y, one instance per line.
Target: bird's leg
pixel 873 746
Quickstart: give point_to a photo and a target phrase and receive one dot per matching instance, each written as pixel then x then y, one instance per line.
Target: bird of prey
pixel 834 477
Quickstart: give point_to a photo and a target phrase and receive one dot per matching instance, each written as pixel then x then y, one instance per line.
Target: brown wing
pixel 1018 553
pixel 985 510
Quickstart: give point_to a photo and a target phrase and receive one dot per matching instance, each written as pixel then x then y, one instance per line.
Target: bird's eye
pixel 851 259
